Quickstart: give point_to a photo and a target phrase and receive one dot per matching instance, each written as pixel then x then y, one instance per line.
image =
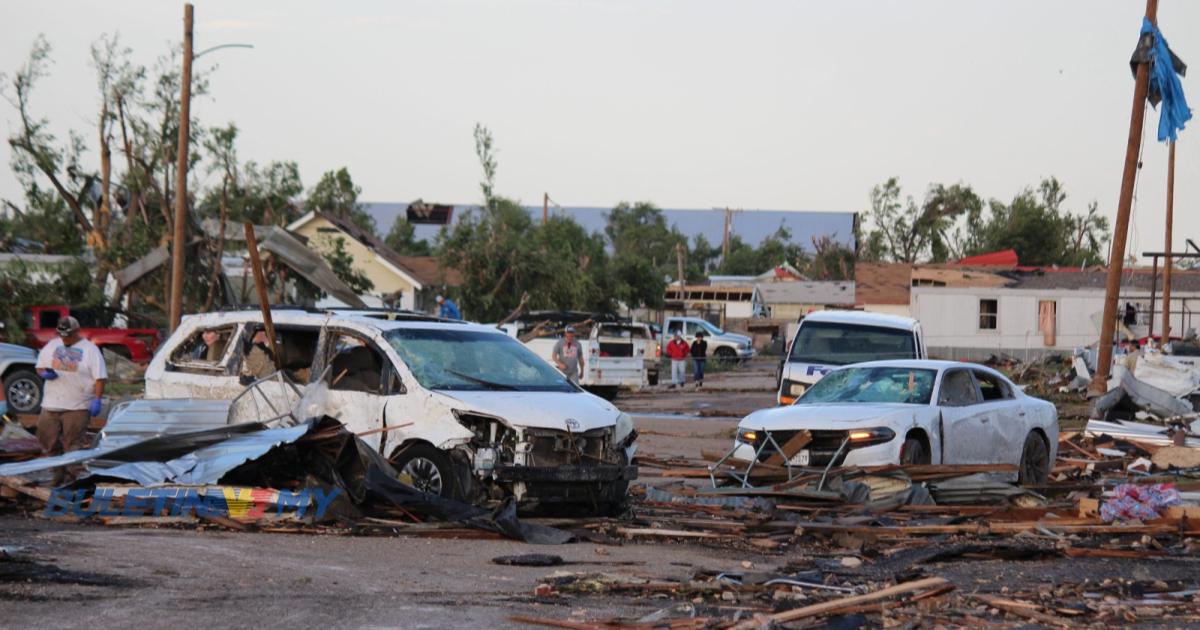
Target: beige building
pixel 407 282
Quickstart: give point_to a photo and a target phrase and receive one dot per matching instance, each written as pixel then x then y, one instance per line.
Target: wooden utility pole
pixel 260 284
pixel 179 240
pixel 725 239
pixel 1166 326
pixel 679 263
pixel 1116 259
pixel 545 207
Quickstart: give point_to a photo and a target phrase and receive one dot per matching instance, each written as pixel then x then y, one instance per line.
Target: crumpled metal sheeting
pixel 1142 395
pixel 206 465
pixel 138 420
pixel 977 488
pixel 1135 432
pixel 656 495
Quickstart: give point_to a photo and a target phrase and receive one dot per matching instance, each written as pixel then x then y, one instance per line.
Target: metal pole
pixel 1116 260
pixel 1153 287
pixel 1166 323
pixel 179 239
pixel 545 207
pixel 260 283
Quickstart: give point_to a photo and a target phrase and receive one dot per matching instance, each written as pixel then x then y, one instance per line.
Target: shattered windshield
pixel 872 385
pixel 831 343
pixel 474 360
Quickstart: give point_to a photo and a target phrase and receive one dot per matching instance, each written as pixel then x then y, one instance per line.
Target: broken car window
pixel 204 350
pixel 872 385
pixel 991 387
pixel 297 349
pixel 355 366
pixel 958 389
pixel 474 360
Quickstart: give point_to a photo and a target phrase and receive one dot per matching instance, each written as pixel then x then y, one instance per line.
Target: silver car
pixel 22 385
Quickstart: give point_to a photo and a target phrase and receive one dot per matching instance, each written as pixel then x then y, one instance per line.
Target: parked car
pixel 136 344
pixel 634 338
pixel 462 409
pixel 826 340
pixel 911 412
pixel 22 385
pixel 722 345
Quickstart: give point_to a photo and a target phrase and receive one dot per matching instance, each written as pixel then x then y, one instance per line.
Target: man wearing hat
pixel 568 355
pixel 447 309
pixel 74 374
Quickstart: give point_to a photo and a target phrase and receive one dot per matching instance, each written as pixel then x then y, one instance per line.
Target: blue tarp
pixel 1164 80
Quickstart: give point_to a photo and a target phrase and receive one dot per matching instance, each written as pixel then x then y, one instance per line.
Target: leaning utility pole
pixel 1166 327
pixel 179 240
pixel 1116 259
pixel 545 207
pixel 725 239
pixel 679 262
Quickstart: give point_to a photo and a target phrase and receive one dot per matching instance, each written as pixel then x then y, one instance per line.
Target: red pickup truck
pixel 136 344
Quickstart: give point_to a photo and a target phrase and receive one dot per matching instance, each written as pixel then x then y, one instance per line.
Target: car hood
pixel 736 338
pixel 539 410
pixel 13 351
pixel 837 416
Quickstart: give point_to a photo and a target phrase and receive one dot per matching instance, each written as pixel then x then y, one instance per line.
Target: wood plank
pixel 1021 609
pixel 836 605
pixel 24 487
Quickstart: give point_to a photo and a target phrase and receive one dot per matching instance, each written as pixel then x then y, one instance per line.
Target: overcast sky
pixel 690 104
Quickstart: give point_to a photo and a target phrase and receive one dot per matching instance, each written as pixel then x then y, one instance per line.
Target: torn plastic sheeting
pixel 1136 432
pixel 503 520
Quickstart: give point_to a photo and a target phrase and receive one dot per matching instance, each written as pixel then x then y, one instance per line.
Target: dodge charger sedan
pixel 910 412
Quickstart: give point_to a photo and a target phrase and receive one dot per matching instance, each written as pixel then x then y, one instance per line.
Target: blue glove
pixel 48 374
pixel 3 407
pixel 94 408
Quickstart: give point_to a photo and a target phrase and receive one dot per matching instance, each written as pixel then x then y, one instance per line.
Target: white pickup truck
pixel 613 359
pixel 829 339
pixel 722 345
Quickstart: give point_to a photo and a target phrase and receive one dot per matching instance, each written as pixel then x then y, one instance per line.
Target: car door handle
pixel 984 419
pixel 1021 413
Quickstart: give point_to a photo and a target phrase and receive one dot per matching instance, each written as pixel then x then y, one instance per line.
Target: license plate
pixel 800 459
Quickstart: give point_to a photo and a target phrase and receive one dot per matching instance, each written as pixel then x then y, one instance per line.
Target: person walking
pixel 699 355
pixel 447 309
pixel 74 373
pixel 678 350
pixel 568 355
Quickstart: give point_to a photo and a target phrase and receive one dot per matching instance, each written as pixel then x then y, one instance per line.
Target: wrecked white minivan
pixel 462 410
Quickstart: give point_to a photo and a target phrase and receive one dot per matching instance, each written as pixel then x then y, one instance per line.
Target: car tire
pixel 1035 461
pixel 725 355
pixel 428 469
pixel 23 391
pixel 912 453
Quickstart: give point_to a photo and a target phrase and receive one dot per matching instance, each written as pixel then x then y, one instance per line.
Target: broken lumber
pixel 837 605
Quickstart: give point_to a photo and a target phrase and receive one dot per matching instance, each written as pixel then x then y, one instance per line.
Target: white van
pixel 829 339
pixel 463 409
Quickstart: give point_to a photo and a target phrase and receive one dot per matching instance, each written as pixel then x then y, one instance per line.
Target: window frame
pixel 995 315
pixel 981 375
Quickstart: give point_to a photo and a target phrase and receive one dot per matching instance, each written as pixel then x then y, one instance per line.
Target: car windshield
pixel 872 385
pixel 831 343
pixel 712 330
pixel 474 360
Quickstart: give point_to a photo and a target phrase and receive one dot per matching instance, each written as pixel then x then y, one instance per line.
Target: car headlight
pixel 867 437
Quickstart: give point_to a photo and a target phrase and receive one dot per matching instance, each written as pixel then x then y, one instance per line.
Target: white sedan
pixel 910 412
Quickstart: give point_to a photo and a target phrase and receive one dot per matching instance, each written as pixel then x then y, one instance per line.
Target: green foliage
pixel 402 238
pixel 645 250
pixel 337 194
pixel 29 284
pixel 775 250
pixel 953 222
pixel 487 161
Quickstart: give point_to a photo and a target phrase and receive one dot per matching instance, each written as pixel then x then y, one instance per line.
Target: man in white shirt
pixel 74 373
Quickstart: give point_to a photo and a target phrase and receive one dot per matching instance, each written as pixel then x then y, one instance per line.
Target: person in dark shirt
pixel 699 356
